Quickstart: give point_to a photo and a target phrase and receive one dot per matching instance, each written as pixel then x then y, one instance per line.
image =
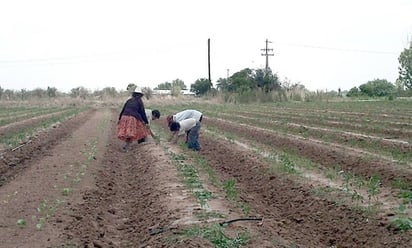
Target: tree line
pixel 247 83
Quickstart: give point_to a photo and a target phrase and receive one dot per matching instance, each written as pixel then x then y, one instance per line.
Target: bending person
pixel 154 115
pixel 132 120
pixel 189 126
pixel 184 115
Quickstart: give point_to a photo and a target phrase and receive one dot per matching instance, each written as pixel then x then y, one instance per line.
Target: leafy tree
pixel 377 87
pixel 23 94
pixel 243 80
pixel 177 83
pixel 248 80
pixel 353 92
pixel 75 92
pixel 38 92
pixel 79 92
pixel 405 67
pixel 84 92
pixel 200 87
pixel 177 86
pixel 164 86
pixel 148 92
pixel 266 80
pixel 109 91
pixel 9 94
pixel 223 84
pixel 51 91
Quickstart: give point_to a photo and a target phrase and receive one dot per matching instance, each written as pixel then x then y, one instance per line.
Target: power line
pixel 338 49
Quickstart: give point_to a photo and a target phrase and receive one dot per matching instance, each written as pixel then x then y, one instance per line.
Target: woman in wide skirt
pixel 131 129
pixel 132 124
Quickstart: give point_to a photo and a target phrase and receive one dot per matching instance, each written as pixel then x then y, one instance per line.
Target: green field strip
pixel 31 114
pixel 12 139
pixel 373 125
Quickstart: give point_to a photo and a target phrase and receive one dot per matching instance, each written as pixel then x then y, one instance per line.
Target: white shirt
pixel 149 115
pixel 186 125
pixel 186 114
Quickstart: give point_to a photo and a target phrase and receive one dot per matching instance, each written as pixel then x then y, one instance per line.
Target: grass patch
pixel 401 222
pixel 191 179
pixel 215 235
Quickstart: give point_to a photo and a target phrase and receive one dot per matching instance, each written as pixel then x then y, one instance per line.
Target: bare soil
pixel 74 186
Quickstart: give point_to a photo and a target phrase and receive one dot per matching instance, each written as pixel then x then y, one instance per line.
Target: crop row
pixel 23 130
pixel 29 113
pixel 293 209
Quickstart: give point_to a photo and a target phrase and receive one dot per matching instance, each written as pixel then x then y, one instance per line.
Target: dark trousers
pixel 193 137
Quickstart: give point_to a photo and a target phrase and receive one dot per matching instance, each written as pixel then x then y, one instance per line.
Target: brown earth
pixel 75 187
pixel 325 154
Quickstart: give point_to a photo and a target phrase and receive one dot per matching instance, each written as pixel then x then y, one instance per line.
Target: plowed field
pixel 73 186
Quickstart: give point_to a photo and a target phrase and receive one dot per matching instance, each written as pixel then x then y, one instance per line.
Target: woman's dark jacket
pixel 134 107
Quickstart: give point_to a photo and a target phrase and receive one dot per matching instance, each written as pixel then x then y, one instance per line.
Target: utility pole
pixel 208 62
pixel 267 54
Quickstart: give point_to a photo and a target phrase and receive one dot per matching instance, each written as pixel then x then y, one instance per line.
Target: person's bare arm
pixel 157 140
pixel 150 132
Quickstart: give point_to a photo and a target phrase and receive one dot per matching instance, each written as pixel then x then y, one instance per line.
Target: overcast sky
pixel 322 44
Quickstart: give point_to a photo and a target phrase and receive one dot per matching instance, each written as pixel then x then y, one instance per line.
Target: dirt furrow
pixel 45 181
pixel 14 161
pixel 340 136
pixel 32 121
pixel 136 201
pixel 291 210
pixel 325 154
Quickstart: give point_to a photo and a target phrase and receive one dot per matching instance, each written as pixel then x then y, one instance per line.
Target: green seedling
pixel 229 187
pixel 246 209
pixel 21 223
pixel 204 215
pixel 402 222
pixel 401 184
pixel 203 197
pixel 192 180
pixel 40 225
pixel 357 197
pixel 346 182
pixel 406 195
pixel 178 156
pixel 287 164
pixel 215 234
pixel 373 187
pixel 42 206
pixel 66 191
